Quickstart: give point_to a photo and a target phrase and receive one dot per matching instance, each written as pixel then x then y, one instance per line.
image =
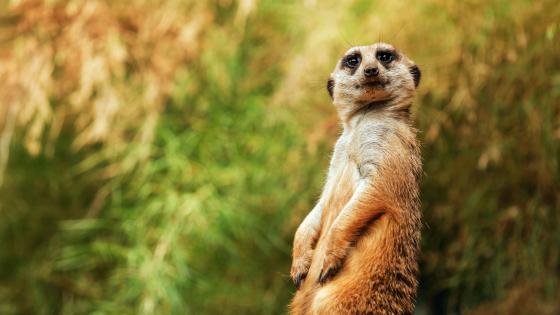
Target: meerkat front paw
pixel 332 262
pixel 300 267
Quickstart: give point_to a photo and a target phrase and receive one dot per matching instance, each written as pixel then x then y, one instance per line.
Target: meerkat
pixel 356 251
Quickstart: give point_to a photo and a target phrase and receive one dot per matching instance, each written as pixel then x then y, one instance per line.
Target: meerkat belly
pixel 369 252
pixel 341 189
pixel 365 262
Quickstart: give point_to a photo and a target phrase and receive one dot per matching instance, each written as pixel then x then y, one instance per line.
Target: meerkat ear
pixel 330 87
pixel 416 74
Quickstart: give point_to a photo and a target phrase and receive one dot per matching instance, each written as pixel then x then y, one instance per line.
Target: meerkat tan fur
pixel 356 251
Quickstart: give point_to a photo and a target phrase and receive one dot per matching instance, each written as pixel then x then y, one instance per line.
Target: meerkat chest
pixel 342 180
pixel 352 150
pixel 344 172
pixel 345 153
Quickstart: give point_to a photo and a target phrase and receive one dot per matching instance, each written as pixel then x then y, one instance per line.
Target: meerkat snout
pixel 371 72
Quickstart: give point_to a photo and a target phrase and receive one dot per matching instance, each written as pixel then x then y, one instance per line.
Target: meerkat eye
pixel 353 61
pixel 385 56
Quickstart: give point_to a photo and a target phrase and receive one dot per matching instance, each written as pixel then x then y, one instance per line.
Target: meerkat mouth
pixel 371 84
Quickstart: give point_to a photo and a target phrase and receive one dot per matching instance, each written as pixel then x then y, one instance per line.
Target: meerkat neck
pixel 352 113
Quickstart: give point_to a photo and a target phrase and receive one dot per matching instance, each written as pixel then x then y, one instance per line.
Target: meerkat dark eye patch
pixel 351 61
pixel 416 74
pixel 385 56
pixel 330 87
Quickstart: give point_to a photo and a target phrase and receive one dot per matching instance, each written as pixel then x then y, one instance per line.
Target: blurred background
pixel 156 157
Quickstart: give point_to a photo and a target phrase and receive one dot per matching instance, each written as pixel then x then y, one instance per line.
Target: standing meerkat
pixel 356 251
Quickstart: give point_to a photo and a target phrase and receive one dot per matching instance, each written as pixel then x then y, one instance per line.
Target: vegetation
pixel 156 157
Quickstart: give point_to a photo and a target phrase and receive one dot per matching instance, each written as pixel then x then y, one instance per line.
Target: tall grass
pixel 157 156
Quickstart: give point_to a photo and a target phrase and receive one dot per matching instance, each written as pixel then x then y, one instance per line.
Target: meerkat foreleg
pixel 304 242
pixel 361 209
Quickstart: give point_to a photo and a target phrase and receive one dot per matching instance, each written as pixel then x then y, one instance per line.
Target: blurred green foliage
pixel 175 182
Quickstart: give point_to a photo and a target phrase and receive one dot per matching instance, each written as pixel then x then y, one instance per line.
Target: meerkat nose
pixel 371 72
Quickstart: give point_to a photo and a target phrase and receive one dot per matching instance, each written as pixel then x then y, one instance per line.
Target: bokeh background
pixel 157 156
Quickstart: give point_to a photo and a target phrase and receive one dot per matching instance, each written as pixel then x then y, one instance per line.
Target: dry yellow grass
pixel 101 66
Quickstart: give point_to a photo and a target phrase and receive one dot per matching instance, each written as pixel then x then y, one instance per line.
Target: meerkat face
pixel 367 74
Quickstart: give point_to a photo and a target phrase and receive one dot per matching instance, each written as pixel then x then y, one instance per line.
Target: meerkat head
pixel 373 74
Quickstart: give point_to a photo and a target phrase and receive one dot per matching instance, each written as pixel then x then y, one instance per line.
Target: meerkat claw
pixel 299 279
pixel 323 277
